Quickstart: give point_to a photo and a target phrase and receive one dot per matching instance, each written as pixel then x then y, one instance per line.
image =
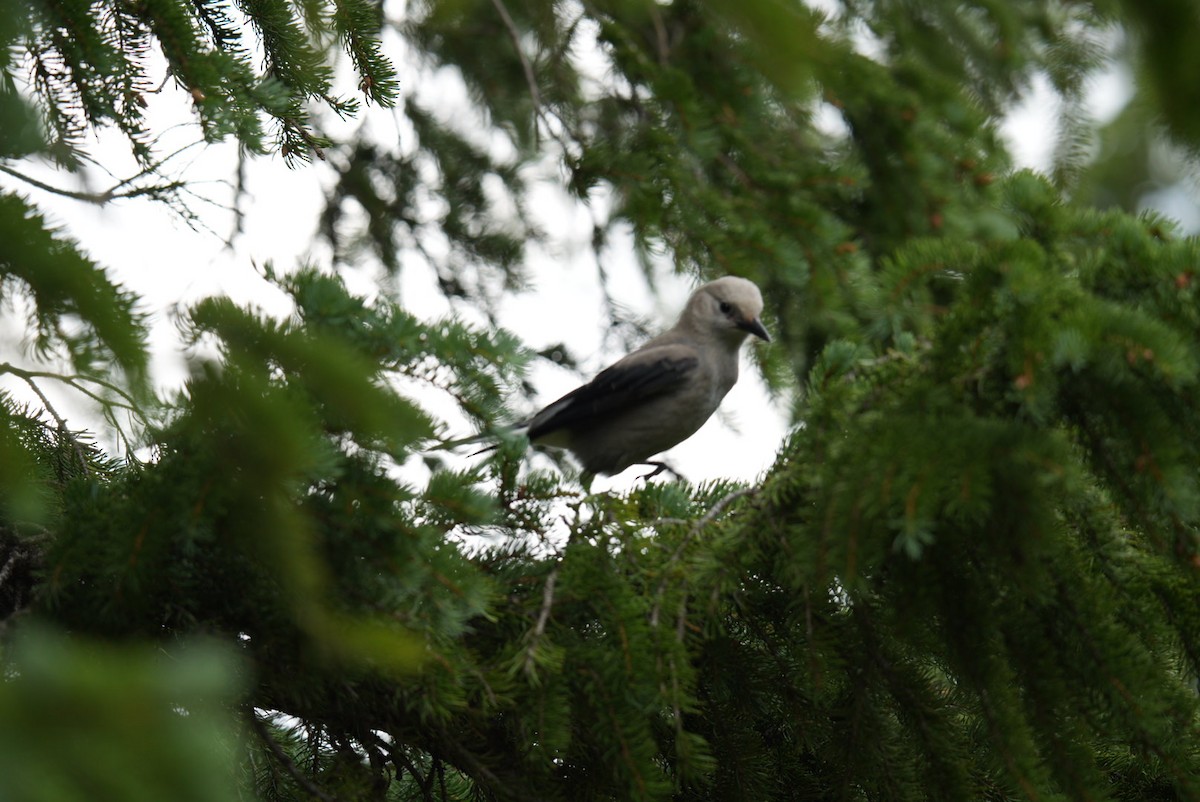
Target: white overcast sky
pixel 155 254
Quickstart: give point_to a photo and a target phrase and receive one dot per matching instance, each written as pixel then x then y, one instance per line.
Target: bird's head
pixel 730 306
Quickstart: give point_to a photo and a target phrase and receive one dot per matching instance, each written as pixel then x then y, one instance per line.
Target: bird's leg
pixel 659 467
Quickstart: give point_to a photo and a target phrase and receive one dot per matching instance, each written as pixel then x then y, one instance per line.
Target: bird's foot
pixel 659 467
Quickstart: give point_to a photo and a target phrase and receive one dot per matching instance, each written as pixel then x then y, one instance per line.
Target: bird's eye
pixel 725 308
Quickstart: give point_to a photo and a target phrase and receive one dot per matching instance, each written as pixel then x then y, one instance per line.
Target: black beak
pixel 755 327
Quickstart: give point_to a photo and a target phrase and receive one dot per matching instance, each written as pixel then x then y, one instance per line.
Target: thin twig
pixel 116 191
pixel 73 381
pixel 676 708
pixel 660 35
pixel 286 762
pixel 97 198
pixel 539 627
pixel 530 78
pixel 91 197
pixel 721 504
pixel 547 600
pixel 708 517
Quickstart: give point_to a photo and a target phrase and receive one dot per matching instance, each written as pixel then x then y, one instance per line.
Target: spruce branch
pixel 402 764
pixel 615 721
pixel 676 691
pixel 696 527
pixel 76 383
pixel 464 760
pixel 288 764
pixel 29 378
pixel 377 760
pixel 709 516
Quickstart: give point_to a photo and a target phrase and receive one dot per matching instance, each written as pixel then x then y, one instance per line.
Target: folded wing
pixel 619 390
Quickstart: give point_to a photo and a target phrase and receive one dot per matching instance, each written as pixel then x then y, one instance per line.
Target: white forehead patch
pixel 738 291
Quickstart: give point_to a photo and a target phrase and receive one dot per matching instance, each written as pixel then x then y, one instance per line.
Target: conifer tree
pixel 971 573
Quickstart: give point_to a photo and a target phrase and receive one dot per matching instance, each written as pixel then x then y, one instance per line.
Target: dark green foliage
pixel 970 574
pixel 61 282
pixel 1163 30
pixel 283 450
pixel 94 720
pixel 979 523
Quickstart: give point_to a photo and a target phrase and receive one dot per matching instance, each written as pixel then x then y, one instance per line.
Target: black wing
pixel 617 389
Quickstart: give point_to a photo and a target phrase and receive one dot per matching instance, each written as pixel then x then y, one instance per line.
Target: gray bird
pixel 659 395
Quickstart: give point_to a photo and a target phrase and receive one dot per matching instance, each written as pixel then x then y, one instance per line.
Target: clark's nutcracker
pixel 659 395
